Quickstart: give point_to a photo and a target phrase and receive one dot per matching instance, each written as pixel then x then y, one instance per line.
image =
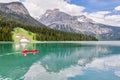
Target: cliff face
pixel 17 11
pixel 56 19
pixel 14 7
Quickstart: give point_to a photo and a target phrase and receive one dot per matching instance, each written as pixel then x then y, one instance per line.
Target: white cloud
pixel 113 19
pixel 38 7
pixel 117 8
pixel 98 16
pixel 104 18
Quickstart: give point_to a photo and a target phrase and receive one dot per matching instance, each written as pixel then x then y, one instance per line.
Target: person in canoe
pixel 25 51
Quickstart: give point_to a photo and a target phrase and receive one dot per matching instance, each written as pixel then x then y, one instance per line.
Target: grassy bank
pixel 20 33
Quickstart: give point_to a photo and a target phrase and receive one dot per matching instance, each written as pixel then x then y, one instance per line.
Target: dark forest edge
pixel 43 33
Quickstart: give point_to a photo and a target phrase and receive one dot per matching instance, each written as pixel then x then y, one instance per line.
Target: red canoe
pixel 25 52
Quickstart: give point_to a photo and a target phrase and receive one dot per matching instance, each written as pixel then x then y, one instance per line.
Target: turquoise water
pixel 61 61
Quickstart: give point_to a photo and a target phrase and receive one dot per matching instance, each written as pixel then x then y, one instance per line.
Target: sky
pixel 101 11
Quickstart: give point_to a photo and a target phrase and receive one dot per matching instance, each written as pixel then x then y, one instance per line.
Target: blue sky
pixel 96 5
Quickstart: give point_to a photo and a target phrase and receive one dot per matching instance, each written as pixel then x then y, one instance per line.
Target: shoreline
pixel 54 41
pixel 104 43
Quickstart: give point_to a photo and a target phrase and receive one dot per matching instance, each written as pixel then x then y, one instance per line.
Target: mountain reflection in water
pixel 60 61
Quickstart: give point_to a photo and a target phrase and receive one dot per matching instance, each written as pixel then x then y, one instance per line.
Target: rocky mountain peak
pixel 59 20
pixel 83 18
pixel 53 16
pixel 52 11
pixel 14 7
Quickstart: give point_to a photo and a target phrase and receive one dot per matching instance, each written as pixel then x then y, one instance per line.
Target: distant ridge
pixel 59 20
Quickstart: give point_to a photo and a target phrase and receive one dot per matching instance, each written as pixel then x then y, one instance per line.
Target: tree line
pixel 42 32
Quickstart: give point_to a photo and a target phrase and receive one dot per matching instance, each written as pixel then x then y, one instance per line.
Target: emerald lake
pixel 86 60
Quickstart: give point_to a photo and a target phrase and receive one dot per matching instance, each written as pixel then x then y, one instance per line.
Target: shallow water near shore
pixel 87 60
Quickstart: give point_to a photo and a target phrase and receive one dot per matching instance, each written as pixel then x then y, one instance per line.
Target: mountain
pixel 17 11
pixel 12 30
pixel 16 24
pixel 56 19
pixel 14 7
